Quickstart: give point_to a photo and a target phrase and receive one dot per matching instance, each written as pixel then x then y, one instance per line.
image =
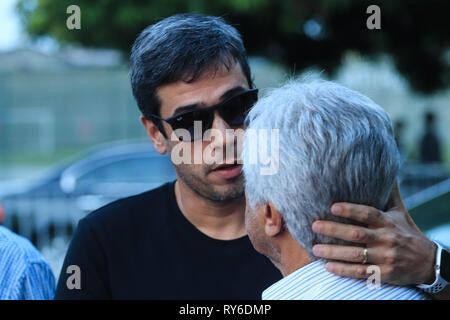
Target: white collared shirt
pixel 314 282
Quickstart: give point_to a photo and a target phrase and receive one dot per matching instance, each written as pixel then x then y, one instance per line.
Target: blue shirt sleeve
pixel 37 283
pixel 24 274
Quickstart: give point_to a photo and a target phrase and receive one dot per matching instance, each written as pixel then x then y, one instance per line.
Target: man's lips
pixel 228 171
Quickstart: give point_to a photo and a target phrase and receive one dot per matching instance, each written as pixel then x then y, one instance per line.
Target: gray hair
pixel 335 145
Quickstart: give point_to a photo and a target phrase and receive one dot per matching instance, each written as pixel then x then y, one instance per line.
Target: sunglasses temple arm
pixel 158 124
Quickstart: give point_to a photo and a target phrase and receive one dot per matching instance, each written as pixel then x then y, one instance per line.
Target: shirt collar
pixel 276 290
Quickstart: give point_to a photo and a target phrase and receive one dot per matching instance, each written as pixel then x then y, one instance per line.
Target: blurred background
pixel 70 136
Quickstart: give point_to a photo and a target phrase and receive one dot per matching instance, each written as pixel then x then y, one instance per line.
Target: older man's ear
pixel 273 221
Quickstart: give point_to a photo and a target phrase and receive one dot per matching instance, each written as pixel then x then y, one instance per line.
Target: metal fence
pixel 41 218
pixel 415 177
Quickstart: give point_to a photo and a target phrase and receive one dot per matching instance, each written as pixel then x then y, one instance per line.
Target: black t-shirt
pixel 142 247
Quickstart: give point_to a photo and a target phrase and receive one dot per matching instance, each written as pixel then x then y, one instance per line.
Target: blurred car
pixel 68 192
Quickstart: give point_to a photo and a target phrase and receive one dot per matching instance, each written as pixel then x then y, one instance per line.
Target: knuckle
pixel 371 236
pixel 391 241
pixel 360 272
pixel 355 235
pixel 366 214
pixel 379 216
pixel 334 268
pixel 359 235
pixel 356 255
pixel 338 269
pixel 390 257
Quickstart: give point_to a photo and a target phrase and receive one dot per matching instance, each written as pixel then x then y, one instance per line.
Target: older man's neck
pixel 293 256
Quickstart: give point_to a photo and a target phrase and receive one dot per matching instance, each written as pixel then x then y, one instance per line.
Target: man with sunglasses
pixel 187 239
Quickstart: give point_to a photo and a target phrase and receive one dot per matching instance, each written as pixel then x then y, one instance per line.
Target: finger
pixel 348 253
pixel 335 252
pixel 345 232
pixel 358 212
pixel 348 270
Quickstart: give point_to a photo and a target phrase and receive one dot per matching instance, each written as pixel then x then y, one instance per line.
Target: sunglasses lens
pixel 188 122
pixel 232 111
pixel 235 110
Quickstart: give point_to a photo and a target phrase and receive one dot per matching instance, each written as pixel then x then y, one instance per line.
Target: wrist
pixel 429 272
pixel 441 269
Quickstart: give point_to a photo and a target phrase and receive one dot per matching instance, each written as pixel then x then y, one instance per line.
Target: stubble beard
pixel 225 193
pixel 234 190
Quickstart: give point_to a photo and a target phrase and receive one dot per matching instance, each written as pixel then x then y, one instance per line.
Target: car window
pixel 131 170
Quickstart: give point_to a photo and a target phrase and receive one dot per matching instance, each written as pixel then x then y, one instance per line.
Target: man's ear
pixel 273 221
pixel 155 135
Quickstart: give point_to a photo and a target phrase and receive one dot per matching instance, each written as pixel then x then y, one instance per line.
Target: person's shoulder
pixel 17 248
pixel 20 260
pixel 133 208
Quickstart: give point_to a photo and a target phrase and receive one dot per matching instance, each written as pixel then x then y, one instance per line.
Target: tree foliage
pixel 297 33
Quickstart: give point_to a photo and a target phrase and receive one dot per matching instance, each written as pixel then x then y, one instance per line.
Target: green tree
pixel 297 33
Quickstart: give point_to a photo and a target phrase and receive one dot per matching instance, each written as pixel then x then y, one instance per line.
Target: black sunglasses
pixel 233 111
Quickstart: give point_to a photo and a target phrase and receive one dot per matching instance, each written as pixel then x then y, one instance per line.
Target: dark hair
pixel 182 47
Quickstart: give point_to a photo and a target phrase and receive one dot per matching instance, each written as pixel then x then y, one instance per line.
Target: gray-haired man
pixel 335 145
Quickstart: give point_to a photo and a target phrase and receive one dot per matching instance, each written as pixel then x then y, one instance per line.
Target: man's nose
pixel 219 123
pixel 221 127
